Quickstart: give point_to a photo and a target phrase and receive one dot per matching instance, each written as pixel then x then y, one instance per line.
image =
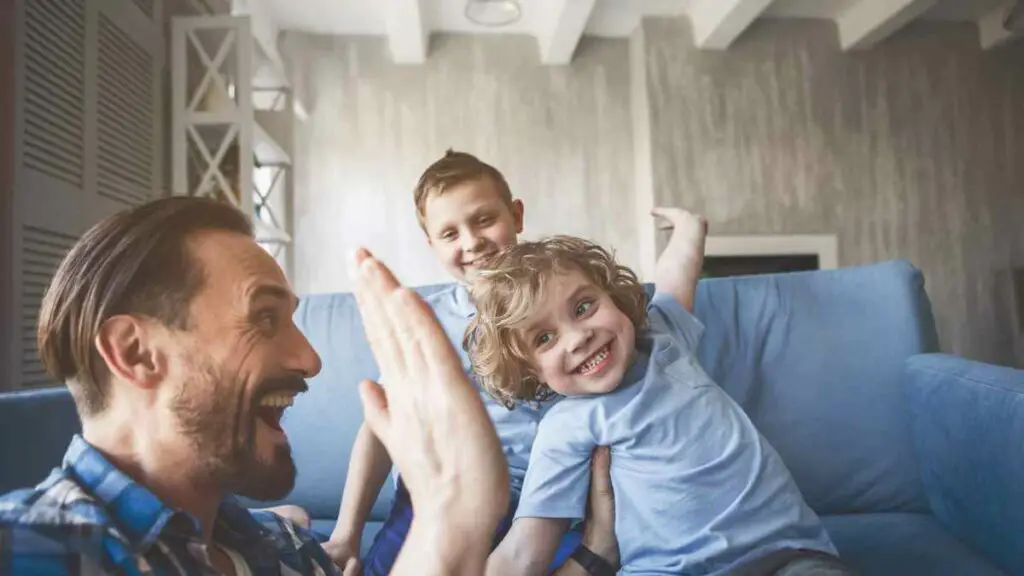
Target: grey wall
pixel 561 135
pixel 914 149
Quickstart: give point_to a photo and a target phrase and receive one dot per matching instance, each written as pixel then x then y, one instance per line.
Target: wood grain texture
pixel 561 135
pixel 914 149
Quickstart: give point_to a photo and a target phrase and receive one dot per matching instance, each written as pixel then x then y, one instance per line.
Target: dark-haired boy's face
pixel 469 223
pixel 239 366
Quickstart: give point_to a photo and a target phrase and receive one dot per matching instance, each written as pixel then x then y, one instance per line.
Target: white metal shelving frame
pixel 242 92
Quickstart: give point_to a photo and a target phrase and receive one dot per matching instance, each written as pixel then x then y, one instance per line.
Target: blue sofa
pixel 913 459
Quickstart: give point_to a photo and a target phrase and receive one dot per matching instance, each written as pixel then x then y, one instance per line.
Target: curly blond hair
pixel 506 291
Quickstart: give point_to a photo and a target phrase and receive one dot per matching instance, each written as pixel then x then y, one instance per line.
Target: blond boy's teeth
pixel 594 361
pixel 278 400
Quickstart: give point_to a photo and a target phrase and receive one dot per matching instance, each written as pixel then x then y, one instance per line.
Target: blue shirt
pixel 516 428
pixel 697 489
pixel 89 517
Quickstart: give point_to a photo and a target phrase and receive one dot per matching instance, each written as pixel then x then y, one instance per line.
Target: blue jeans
pixel 388 542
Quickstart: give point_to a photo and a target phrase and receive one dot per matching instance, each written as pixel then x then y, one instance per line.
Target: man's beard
pixel 219 419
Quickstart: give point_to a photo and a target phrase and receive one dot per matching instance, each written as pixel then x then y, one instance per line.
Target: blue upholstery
pixel 899 544
pixel 35 429
pixel 968 423
pixel 816 359
pixel 820 362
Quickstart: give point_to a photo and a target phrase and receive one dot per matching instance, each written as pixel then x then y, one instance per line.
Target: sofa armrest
pixel 967 421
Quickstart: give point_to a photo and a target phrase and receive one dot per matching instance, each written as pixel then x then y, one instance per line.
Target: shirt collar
pixel 142 517
pixel 139 515
pixel 463 301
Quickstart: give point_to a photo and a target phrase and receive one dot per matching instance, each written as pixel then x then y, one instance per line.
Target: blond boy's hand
pixel 678 268
pixel 433 424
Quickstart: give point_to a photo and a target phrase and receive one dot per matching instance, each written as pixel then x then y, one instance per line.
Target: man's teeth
pixel 278 400
pixel 593 361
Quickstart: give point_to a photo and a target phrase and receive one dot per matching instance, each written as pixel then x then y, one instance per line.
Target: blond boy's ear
pixel 517 214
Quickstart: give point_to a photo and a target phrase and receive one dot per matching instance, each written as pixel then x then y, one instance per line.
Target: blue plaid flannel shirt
pixel 88 517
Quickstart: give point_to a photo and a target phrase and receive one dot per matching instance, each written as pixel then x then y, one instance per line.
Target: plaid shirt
pixel 88 517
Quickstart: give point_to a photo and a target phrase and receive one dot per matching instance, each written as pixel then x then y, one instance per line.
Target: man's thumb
pixel 375 409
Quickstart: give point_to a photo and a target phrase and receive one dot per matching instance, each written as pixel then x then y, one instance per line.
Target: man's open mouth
pixel 272 406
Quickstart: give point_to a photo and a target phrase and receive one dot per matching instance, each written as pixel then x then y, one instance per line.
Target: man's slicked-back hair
pixel 135 262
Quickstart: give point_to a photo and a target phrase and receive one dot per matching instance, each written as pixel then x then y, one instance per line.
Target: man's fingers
pixel 600 471
pixel 429 355
pixel 374 285
pixel 375 410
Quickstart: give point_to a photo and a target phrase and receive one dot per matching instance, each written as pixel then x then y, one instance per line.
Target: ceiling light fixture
pixel 493 13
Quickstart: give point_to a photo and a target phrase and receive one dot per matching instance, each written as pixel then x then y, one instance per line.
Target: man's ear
pixel 128 348
pixel 517 214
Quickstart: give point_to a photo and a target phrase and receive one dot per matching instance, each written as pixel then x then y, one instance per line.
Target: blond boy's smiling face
pixel 469 223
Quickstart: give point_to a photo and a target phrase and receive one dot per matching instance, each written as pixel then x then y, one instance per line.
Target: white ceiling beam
pixel 566 21
pixel 991 31
pixel 407 33
pixel 869 21
pixel 718 23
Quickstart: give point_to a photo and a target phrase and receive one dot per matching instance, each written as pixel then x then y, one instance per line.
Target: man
pixel 173 331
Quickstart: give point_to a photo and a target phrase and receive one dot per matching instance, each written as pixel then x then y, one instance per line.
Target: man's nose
pixel 301 357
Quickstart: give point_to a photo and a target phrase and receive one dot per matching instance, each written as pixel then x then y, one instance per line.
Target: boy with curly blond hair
pixel 698 490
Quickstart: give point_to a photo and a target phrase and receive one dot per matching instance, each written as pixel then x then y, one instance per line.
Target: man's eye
pixel 583 307
pixel 267 320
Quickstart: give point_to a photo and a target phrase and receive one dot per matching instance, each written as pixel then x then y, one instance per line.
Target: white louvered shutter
pixel 88 138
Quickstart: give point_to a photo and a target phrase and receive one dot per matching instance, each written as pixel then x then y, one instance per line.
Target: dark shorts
pixel 382 554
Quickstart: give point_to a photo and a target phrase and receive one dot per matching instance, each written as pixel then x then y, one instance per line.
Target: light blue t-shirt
pixel 697 489
pixel 516 428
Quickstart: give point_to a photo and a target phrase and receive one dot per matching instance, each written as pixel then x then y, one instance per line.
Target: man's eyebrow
pixel 273 291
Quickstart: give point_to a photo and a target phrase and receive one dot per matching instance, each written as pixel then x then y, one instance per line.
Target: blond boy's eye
pixel 543 338
pixel 582 308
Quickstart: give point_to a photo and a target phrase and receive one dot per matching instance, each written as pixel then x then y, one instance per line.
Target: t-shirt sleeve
pixel 558 477
pixel 667 315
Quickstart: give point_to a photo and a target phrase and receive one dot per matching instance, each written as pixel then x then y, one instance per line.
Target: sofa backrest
pixel 35 428
pixel 815 358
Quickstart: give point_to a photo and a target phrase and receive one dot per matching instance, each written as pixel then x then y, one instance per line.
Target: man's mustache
pixel 291 384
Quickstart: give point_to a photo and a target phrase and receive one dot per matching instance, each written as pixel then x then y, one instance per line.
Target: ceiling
pixel 612 18
pixel 558 25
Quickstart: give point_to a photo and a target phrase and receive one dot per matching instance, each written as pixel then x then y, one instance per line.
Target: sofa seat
pixel 900 544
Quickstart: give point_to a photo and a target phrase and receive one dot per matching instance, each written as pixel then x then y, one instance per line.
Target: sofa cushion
pixel 968 422
pixel 898 544
pixel 816 359
pixel 35 429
